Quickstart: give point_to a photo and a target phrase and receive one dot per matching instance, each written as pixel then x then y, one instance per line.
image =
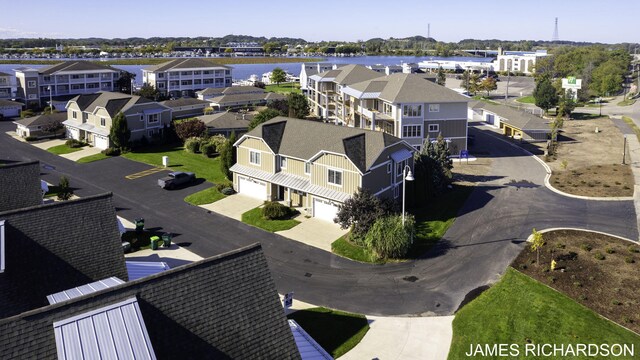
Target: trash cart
pixel 154 242
pixel 166 239
pixel 139 224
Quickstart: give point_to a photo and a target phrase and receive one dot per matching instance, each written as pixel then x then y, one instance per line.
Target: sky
pixel 612 21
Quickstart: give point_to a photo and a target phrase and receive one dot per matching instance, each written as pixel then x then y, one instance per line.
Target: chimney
pixel 500 50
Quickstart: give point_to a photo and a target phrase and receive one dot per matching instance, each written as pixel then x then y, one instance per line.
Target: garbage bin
pixel 154 242
pixel 139 224
pixel 166 239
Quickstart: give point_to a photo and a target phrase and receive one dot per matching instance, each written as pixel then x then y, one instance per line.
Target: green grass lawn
pixel 254 217
pixel 519 309
pixel 527 100
pixel 206 196
pixel 632 125
pixel 351 251
pixel 92 158
pixel 284 88
pixel 627 102
pixel 53 191
pixel 336 331
pixel 62 149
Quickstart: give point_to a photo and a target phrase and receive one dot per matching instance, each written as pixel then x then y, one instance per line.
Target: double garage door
pixel 252 188
pixel 324 209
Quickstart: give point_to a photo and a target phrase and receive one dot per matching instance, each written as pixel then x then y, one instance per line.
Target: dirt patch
pixel 473 172
pixel 595 180
pixel 583 163
pixel 598 271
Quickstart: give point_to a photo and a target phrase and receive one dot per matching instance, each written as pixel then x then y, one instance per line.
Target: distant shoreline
pixel 154 61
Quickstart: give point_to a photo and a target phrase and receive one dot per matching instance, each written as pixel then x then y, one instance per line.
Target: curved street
pixel 488 234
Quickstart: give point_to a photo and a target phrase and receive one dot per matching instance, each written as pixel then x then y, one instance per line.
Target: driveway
pixel 314 232
pixel 233 206
pixel 86 151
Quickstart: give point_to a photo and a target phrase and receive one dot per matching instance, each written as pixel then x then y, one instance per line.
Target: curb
pixel 585 230
pixel 548 185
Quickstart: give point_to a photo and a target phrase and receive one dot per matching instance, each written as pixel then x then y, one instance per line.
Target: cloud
pixel 10 33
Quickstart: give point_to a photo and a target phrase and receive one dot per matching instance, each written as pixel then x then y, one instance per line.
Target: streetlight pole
pixel 406 175
pixel 50 99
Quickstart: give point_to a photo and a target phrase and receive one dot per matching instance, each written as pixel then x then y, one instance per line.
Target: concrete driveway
pixel 86 151
pixel 314 232
pixel 233 206
pixel 44 145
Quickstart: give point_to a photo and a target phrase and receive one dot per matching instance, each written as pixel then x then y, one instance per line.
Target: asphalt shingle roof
pixel 516 118
pixel 75 66
pixel 58 246
pixel 226 120
pixel 185 101
pixel 20 185
pixel 250 97
pixel 231 90
pixel 224 307
pixel 4 102
pixel 113 102
pixel 349 74
pixel 42 119
pixel 305 138
pixel 408 88
pixel 190 63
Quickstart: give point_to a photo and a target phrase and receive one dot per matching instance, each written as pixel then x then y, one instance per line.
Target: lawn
pixel 254 217
pixel 527 100
pixel 627 102
pixel 92 158
pixel 63 149
pixel 53 191
pixel 632 125
pixel 206 196
pixel 519 310
pixel 336 331
pixel 284 88
pixel 344 248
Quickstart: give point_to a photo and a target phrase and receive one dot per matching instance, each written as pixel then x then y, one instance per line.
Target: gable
pixel 253 143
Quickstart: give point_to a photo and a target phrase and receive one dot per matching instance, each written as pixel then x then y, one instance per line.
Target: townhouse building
pixel 183 77
pixel 38 86
pixel 8 89
pixel 90 117
pixel 317 166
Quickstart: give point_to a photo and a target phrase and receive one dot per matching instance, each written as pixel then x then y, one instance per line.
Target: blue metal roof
pixel 84 289
pixel 308 348
pixel 140 269
pixel 401 155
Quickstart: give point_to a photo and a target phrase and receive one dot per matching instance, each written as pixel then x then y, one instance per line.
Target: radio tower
pixel 556 37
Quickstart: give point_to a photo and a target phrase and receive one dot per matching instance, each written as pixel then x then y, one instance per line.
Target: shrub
pixel 73 143
pixel 217 141
pixel 31 138
pixel 552 279
pixel 208 149
pixel 586 247
pixel 577 284
pixel 112 151
pixel 388 238
pixel 192 145
pixel 616 302
pixel 633 249
pixel 599 256
pixel 582 297
pixel 629 260
pixel 609 250
pixel 228 191
pixel 222 185
pixel 274 210
pixel 64 190
pixel 560 246
pixel 189 128
pixel 26 113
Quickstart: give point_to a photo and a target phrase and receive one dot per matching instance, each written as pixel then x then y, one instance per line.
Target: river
pixel 243 71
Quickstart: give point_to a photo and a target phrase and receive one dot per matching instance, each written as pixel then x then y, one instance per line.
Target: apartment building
pixel 183 77
pixel 90 117
pixel 8 88
pixel 38 86
pixel 308 70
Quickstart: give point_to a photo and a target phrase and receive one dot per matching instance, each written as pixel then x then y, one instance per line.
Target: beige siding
pixel 377 179
pixel 350 179
pixel 255 144
pixel 266 159
pixel 295 167
pixel 336 161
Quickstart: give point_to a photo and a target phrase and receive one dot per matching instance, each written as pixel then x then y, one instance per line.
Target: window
pixel 46 78
pixel 400 168
pixel 389 168
pixel 283 162
pixel 74 114
pixel 153 118
pixel 197 81
pixel 76 76
pixel 434 127
pixel 412 110
pixel 307 168
pixel 411 131
pixel 387 109
pixel 160 75
pixel 335 177
pixel 33 96
pixel 434 107
pixel 196 72
pixel 103 122
pixel 254 157
pixel 161 85
pixel 31 84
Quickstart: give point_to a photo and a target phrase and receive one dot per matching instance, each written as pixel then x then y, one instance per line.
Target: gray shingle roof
pixel 305 138
pixel 42 119
pixel 75 66
pixel 231 90
pixel 226 120
pixel 251 97
pixel 189 63
pixel 185 101
pixel 516 118
pixel 224 307
pixel 349 74
pixel 113 102
pixel 4 102
pixel 409 88
pixel 20 185
pixel 58 246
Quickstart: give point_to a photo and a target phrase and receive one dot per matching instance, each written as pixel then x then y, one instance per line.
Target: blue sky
pixel 612 21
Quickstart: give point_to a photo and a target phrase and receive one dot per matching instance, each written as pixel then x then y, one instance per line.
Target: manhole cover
pixel 410 278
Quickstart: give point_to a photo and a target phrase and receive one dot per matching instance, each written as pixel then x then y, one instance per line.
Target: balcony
pixel 373 114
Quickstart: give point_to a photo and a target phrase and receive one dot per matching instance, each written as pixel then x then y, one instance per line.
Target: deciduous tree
pixel 360 211
pixel 189 128
pixel 120 133
pixel 298 105
pixel 278 75
pixel 545 94
pixel 263 116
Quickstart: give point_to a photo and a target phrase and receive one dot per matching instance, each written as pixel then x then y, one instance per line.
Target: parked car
pixel 175 179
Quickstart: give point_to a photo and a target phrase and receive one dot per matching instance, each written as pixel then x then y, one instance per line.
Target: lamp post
pixel 406 175
pixel 50 99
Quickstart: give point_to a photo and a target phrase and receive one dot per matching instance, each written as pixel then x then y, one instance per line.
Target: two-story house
pixel 183 77
pixel 90 116
pixel 408 106
pixel 39 86
pixel 318 166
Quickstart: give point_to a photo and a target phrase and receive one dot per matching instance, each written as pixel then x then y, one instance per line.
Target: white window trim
pixel 389 168
pixel 412 126
pixel 31 84
pixel 2 251
pixel 257 153
pixel 341 177
pixel 437 128
pixel 103 122
pixel 405 106
pixel 436 108
pixel 74 115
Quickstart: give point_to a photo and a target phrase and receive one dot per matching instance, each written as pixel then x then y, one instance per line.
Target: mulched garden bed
pixel 598 271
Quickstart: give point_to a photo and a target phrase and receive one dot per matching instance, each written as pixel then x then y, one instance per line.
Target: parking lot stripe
pixel 144 173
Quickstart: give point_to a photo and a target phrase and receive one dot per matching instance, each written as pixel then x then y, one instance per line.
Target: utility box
pixel 165 161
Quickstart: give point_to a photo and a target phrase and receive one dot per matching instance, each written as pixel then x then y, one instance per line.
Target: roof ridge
pixel 58 204
pixel 20 163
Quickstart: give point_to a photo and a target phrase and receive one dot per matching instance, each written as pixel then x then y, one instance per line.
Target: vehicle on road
pixel 175 179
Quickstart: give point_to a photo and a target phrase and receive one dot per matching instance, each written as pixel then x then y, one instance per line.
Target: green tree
pixel 441 77
pixel 298 105
pixel 278 75
pixel 64 190
pixel 536 244
pixel 567 105
pixel 545 94
pixel 228 156
pixel 148 91
pixel 263 116
pixel 607 78
pixel 120 133
pixel 228 51
pixel 488 84
pixel 389 238
pixel 432 167
pixel 359 213
pixel 124 82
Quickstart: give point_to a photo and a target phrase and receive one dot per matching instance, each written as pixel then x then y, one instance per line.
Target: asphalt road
pixel 487 235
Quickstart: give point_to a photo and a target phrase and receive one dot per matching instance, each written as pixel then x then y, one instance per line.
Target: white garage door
pixel 324 209
pixel 253 188
pixel 101 142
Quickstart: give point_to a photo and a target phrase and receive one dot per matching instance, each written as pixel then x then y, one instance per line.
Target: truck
pixel 175 179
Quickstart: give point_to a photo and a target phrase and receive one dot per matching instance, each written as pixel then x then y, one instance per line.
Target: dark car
pixel 176 179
